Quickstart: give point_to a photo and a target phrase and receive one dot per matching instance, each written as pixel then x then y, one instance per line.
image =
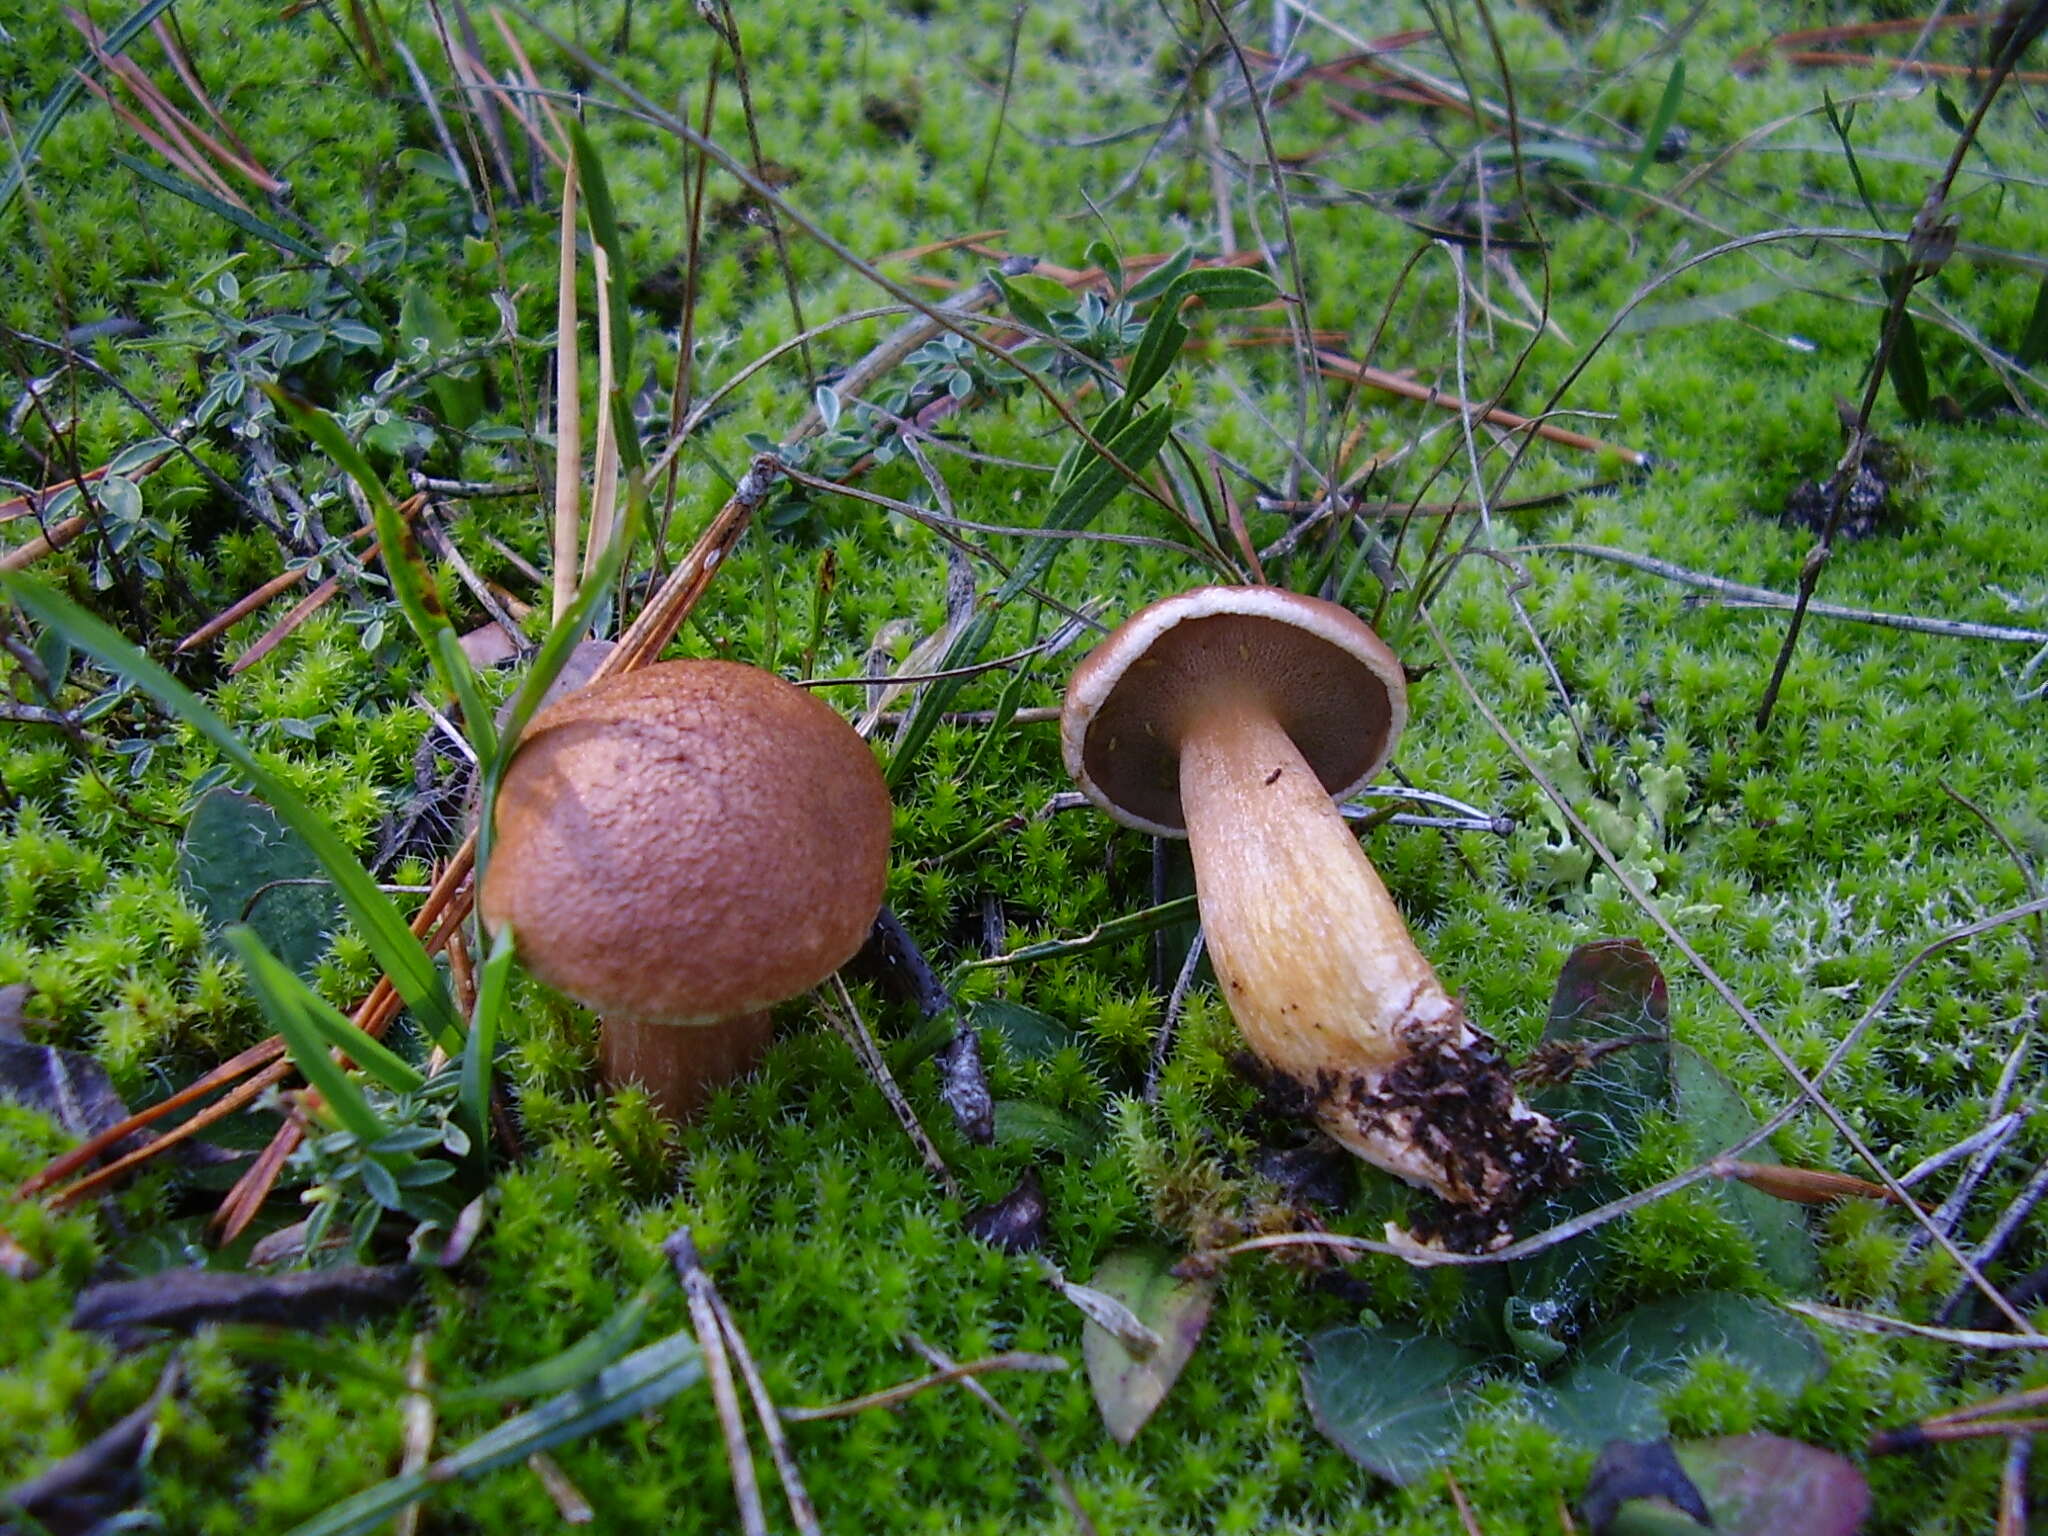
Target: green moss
pixel 1805 865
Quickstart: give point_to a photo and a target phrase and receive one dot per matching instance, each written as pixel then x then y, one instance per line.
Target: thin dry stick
pixel 240 609
pixel 1337 365
pixel 889 1397
pixel 569 1501
pixel 987 1399
pixel 697 1291
pixel 1808 1087
pixel 727 25
pixel 568 408
pixel 2012 1487
pixel 1870 1322
pixel 1929 242
pixel 1762 597
pixel 1169 1026
pixel 855 1033
pixel 416 1414
pixel 801 1510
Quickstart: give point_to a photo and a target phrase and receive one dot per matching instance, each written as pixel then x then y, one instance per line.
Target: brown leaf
pixel 1128 1389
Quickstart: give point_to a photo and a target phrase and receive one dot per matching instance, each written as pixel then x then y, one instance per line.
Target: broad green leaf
pixel 1127 1389
pixel 240 863
pixel 1395 1405
pixel 1590 1405
pixel 643 1380
pixel 1026 1031
pixel 1716 1117
pixel 1658 1341
pixel 1608 991
pixel 397 949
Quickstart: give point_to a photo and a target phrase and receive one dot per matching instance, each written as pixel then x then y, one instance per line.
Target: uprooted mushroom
pixel 1232 716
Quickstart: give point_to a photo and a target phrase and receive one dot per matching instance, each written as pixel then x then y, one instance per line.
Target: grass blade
pixel 249 224
pixel 66 95
pixel 376 1058
pixel 604 230
pixel 410 581
pixel 643 1380
pixel 477 1059
pixel 397 949
pixel 579 1362
pixel 1091 488
pixel 1132 925
pixel 282 996
pixel 1660 124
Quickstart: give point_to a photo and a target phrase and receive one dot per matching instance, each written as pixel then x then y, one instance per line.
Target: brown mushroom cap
pixel 1329 681
pixel 688 841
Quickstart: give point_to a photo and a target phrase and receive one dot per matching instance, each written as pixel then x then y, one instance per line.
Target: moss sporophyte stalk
pixel 1231 716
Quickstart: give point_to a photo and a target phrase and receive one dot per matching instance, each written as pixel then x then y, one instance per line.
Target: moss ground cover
pixel 1893 798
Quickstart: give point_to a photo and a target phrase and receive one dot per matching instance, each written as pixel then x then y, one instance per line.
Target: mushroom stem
pixel 681 1065
pixel 1324 981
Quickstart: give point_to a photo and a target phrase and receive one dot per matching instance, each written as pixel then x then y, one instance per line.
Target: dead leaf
pixel 1127 1388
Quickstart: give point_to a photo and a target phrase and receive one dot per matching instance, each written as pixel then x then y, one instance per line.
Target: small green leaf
pixel 1128 1389
pixel 1027 1032
pixel 1021 304
pixel 1161 277
pixel 1023 1122
pixel 1395 1405
pixel 1659 1341
pixel 1590 1405
pixel 240 863
pixel 1226 287
pixel 1099 254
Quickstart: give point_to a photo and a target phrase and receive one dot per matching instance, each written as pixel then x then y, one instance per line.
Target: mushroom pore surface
pixel 688 841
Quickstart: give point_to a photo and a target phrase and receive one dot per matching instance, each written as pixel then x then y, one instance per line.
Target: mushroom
pixel 681 847
pixel 1231 716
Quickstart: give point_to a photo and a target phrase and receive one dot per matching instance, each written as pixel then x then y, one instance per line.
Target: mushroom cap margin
pixel 1335 686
